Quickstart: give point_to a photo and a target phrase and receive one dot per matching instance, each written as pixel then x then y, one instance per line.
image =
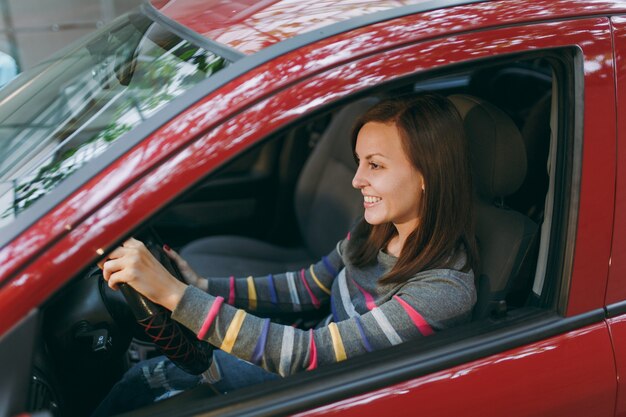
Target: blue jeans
pixel 158 378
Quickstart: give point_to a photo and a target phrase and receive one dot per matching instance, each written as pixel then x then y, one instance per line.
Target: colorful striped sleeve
pixel 306 289
pixel 416 311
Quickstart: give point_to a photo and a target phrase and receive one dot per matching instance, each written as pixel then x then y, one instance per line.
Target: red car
pixel 228 121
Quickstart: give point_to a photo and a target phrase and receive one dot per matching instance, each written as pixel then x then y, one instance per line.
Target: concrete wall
pixel 31 30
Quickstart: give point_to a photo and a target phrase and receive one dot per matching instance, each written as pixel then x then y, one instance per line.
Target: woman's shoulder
pixel 443 274
pixel 455 270
pixel 443 284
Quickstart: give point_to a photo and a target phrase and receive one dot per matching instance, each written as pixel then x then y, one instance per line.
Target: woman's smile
pixel 370 201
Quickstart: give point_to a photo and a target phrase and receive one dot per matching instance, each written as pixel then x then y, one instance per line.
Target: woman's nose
pixel 358 181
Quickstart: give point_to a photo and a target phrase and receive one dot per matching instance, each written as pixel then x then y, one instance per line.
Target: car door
pixel 561 363
pixel 569 371
pixel 616 288
pixel 552 356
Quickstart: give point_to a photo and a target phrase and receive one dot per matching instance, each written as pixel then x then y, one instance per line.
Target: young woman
pixel 404 272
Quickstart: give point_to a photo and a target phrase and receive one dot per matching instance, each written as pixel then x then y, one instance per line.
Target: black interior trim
pixel 16 352
pixel 569 73
pixel 394 365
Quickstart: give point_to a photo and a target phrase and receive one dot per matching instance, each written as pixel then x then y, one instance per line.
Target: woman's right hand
pixel 189 275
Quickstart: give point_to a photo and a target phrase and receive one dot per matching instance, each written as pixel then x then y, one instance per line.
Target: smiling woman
pixel 407 149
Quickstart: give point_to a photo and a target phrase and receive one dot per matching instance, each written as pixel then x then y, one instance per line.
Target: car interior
pixel 287 201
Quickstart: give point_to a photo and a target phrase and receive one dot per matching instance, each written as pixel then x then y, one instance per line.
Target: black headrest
pixel 496 146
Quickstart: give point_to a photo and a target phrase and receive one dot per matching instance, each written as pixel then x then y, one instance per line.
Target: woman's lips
pixel 370 201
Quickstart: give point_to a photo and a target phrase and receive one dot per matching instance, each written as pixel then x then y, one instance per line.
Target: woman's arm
pixel 416 311
pixel 133 264
pixel 303 290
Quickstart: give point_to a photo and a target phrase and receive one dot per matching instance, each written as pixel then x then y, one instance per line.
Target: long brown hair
pixel 432 136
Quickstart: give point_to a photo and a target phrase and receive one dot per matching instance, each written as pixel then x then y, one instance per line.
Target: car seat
pixel 499 163
pixel 326 205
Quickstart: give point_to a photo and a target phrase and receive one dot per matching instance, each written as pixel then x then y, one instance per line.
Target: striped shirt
pixel 363 314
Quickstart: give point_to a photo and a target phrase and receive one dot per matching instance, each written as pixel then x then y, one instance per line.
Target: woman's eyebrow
pixel 370 156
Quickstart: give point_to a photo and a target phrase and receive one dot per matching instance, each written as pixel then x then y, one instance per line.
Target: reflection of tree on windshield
pixel 115 105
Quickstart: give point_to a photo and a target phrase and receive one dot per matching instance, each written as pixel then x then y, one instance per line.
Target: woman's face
pixel 391 186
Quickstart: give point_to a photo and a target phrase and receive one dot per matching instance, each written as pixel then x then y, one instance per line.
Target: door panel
pixel 561 376
pixel 616 287
pixel 617 327
pixel 556 377
pixel 573 374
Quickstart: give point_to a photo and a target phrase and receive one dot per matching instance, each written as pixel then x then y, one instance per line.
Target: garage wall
pixel 31 30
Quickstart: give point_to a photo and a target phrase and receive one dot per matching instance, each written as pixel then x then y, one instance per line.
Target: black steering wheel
pixel 173 340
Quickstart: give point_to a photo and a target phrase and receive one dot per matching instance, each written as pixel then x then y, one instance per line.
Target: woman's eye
pixel 374 165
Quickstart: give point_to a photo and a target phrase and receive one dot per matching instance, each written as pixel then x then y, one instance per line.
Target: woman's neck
pixel 396 243
pixel 394 246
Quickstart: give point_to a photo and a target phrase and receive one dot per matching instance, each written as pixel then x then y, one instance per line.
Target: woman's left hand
pixel 133 264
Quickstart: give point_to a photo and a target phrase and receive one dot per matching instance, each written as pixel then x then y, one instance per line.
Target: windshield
pixel 72 107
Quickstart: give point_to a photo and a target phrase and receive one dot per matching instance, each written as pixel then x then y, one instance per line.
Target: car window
pixel 521 89
pixel 87 97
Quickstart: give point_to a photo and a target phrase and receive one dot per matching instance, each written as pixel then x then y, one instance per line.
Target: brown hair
pixel 432 136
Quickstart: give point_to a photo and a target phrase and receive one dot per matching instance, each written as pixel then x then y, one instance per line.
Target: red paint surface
pixel 571 375
pixel 250 26
pixel 616 289
pixel 617 327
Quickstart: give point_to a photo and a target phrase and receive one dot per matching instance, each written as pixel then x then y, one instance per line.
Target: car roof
pixel 249 26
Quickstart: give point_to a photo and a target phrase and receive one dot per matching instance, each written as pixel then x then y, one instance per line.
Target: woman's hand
pixel 189 275
pixel 133 264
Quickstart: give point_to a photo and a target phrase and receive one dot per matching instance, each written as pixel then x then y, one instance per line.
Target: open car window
pixel 524 88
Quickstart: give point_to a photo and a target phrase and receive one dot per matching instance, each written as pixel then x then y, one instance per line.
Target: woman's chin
pixel 372 220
